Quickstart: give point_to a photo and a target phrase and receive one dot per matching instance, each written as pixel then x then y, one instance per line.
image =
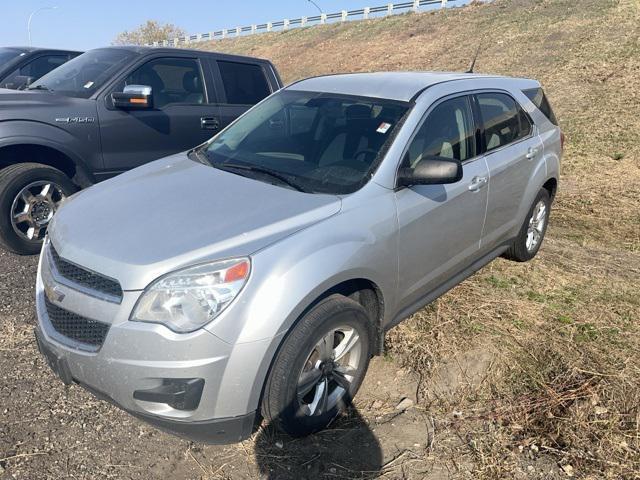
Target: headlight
pixel 188 299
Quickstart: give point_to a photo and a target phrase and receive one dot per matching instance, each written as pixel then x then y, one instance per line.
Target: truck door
pixel 184 113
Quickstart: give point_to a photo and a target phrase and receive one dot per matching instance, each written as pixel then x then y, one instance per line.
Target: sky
pixel 83 25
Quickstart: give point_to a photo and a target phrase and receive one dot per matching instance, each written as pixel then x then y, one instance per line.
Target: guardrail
pixel 321 19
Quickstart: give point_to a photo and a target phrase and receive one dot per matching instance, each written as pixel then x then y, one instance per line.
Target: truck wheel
pixel 30 193
pixel 319 367
pixel 529 239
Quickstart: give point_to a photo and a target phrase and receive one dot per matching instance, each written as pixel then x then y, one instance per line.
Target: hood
pixel 42 106
pixel 177 212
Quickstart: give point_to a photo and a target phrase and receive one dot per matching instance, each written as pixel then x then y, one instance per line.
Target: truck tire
pixel 30 193
pixel 319 367
pixel 529 239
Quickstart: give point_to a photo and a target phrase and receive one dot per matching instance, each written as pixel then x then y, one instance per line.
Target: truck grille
pixel 76 327
pixel 88 281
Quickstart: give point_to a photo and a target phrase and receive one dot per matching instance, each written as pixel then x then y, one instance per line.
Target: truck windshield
pixel 310 141
pixel 8 54
pixel 83 75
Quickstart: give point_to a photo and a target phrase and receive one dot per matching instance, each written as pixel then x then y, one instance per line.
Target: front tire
pixel 319 367
pixel 30 193
pixel 529 239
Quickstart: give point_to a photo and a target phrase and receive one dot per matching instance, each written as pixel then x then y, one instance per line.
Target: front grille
pixel 86 279
pixel 76 327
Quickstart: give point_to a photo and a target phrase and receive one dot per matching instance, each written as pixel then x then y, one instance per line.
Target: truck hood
pixel 43 106
pixel 177 212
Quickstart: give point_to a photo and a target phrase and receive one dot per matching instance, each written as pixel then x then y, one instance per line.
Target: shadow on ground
pixel 347 449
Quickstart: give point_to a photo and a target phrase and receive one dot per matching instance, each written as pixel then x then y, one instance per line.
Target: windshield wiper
pixel 40 87
pixel 266 171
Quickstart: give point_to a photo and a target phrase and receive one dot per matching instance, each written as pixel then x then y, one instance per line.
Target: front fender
pixel 83 148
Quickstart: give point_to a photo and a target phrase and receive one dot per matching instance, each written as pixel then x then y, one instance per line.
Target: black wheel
pixel 30 193
pixel 319 367
pixel 529 239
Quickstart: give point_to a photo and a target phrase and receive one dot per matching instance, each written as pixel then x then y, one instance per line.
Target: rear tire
pixel 30 193
pixel 529 239
pixel 307 389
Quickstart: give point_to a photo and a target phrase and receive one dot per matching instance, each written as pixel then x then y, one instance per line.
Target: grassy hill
pixel 546 354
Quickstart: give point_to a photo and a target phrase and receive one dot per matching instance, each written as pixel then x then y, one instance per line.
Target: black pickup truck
pixel 105 112
pixel 21 66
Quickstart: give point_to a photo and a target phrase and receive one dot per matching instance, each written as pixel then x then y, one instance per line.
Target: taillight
pixel 562 140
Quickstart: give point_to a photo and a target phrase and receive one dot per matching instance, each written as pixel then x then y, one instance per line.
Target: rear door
pixel 439 226
pixel 241 85
pixel 184 112
pixel 513 149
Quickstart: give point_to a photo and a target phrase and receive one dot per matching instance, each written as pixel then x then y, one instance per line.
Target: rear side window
pixel 539 99
pixel 504 120
pixel 244 83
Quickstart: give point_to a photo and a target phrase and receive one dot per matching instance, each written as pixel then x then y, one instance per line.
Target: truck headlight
pixel 188 299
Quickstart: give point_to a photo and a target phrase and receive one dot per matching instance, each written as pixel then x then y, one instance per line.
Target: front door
pixel 180 119
pixel 440 226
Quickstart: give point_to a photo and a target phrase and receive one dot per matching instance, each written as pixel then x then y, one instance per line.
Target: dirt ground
pixel 523 371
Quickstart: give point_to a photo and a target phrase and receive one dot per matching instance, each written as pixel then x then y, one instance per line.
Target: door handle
pixel 209 123
pixel 477 183
pixel 531 153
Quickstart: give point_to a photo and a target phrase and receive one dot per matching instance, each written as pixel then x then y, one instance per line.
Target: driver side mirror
pixel 431 170
pixel 133 97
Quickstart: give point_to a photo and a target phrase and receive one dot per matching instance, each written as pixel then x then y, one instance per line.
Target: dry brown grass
pixel 548 353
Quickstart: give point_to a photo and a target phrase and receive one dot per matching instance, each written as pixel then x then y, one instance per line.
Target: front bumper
pixel 194 385
pixel 216 431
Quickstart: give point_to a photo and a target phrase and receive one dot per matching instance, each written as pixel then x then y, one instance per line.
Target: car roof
pixel 142 50
pixel 41 49
pixel 401 86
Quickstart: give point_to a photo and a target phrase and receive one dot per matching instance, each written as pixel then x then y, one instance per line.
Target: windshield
pixel 83 75
pixel 8 54
pixel 314 142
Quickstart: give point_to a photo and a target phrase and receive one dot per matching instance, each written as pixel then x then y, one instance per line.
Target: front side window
pixel 173 81
pixel 86 73
pixel 33 70
pixel 244 83
pixel 314 142
pixel 504 120
pixel 446 132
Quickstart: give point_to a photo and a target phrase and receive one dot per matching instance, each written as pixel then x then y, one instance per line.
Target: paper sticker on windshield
pixel 88 85
pixel 384 127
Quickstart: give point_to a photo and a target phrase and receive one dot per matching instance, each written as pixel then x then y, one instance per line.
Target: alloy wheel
pixel 33 208
pixel 329 370
pixel 536 226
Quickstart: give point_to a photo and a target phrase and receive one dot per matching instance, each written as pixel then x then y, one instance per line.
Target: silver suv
pixel 254 276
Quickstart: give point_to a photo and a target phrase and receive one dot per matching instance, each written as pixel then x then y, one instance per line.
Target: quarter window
pixel 244 83
pixel 447 132
pixel 172 80
pixel 504 120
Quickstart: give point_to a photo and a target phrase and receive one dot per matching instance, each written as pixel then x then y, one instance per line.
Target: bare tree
pixel 149 32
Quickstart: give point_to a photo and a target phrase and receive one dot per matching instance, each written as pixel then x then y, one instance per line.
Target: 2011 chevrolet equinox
pixel 255 275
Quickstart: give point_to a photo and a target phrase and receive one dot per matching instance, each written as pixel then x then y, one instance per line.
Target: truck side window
pixel 504 120
pixel 35 69
pixel 173 81
pixel 244 83
pixel 447 132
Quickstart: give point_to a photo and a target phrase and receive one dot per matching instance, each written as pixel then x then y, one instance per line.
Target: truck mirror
pixel 133 97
